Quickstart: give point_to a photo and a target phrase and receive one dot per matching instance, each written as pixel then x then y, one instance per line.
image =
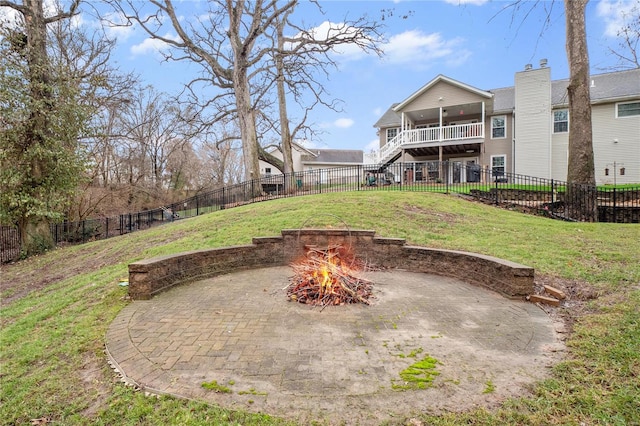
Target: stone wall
pixel 151 276
pixel 619 214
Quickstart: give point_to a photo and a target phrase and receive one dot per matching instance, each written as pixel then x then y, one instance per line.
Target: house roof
pixel 389 118
pixel 304 150
pixel 298 147
pixel 606 87
pixel 335 156
pixel 504 99
pixel 436 80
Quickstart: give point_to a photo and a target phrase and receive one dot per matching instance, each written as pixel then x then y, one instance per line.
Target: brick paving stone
pixel 335 364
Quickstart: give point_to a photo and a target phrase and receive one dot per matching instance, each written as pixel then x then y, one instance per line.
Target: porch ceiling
pixel 453 112
pixel 458 149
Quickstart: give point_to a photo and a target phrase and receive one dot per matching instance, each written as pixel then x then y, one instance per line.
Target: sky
pixel 479 42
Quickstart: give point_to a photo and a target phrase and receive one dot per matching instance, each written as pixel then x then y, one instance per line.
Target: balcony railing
pixel 426 136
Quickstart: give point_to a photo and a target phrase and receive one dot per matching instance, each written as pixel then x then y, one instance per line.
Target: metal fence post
pixel 615 207
pixel 449 173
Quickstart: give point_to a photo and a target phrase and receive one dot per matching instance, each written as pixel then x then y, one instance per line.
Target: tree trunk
pixel 34 230
pixel 271 159
pixel 246 118
pixel 581 169
pixel 35 236
pixel 285 131
pixel 581 165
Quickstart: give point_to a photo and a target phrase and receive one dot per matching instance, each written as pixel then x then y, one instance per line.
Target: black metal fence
pixel 552 198
pixel 9 243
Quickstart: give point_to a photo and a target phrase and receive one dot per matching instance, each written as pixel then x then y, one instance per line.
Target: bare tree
pixel 299 60
pixel 85 58
pixel 225 46
pixel 221 164
pixel 236 45
pixel 629 34
pixel 285 131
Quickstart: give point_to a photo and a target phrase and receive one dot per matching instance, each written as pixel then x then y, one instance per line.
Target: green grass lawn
pixel 57 307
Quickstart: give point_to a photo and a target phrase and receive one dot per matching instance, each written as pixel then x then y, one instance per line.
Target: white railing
pixel 430 135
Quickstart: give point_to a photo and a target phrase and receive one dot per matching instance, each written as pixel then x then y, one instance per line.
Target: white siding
pixel 607 129
pixel 560 155
pixel 533 123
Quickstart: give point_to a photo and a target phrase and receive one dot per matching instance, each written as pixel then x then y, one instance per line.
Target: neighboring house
pixel 309 159
pixel 521 129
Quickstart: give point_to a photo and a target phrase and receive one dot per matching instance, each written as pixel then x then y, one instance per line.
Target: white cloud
pixel 309 144
pixel 328 29
pixel 373 145
pixel 151 45
pixel 343 123
pixel 418 48
pixel 377 112
pixel 615 14
pixel 116 26
pixel 13 19
pixel 9 17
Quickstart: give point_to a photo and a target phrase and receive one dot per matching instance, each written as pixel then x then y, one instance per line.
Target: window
pixel 628 109
pixel 561 121
pixel 498 166
pixel 498 127
pixel 267 171
pixel 392 133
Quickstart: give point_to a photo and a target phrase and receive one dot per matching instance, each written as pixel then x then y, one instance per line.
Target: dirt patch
pixel 576 304
pixel 19 279
pixel 432 215
pixel 96 382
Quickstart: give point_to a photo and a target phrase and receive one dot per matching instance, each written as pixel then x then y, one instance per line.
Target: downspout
pixel 484 140
pixel 551 147
pixel 513 142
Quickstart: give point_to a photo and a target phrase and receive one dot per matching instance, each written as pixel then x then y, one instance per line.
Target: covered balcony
pixel 450 130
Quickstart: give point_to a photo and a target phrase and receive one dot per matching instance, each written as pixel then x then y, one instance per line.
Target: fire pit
pixel 329 277
pixel 235 330
pixel 152 276
pixel 231 326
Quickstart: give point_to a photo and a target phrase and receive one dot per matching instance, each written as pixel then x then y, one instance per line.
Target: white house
pixel 321 160
pixel 521 129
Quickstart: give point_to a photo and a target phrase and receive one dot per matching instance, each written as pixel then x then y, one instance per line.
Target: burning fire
pixel 327 277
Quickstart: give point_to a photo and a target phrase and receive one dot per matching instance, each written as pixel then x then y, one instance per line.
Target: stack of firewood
pixel 327 277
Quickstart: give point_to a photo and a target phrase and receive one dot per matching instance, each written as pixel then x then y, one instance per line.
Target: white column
pixel 483 117
pixel 440 127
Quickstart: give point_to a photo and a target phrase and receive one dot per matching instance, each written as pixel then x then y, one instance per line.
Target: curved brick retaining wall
pixel 151 276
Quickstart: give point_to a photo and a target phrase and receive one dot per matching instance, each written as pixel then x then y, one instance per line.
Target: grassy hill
pixel 55 308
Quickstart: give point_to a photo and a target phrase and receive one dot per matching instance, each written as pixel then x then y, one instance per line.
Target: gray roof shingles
pixel 604 87
pixel 345 156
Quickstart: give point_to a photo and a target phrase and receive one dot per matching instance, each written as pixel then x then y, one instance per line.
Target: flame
pixel 326 276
